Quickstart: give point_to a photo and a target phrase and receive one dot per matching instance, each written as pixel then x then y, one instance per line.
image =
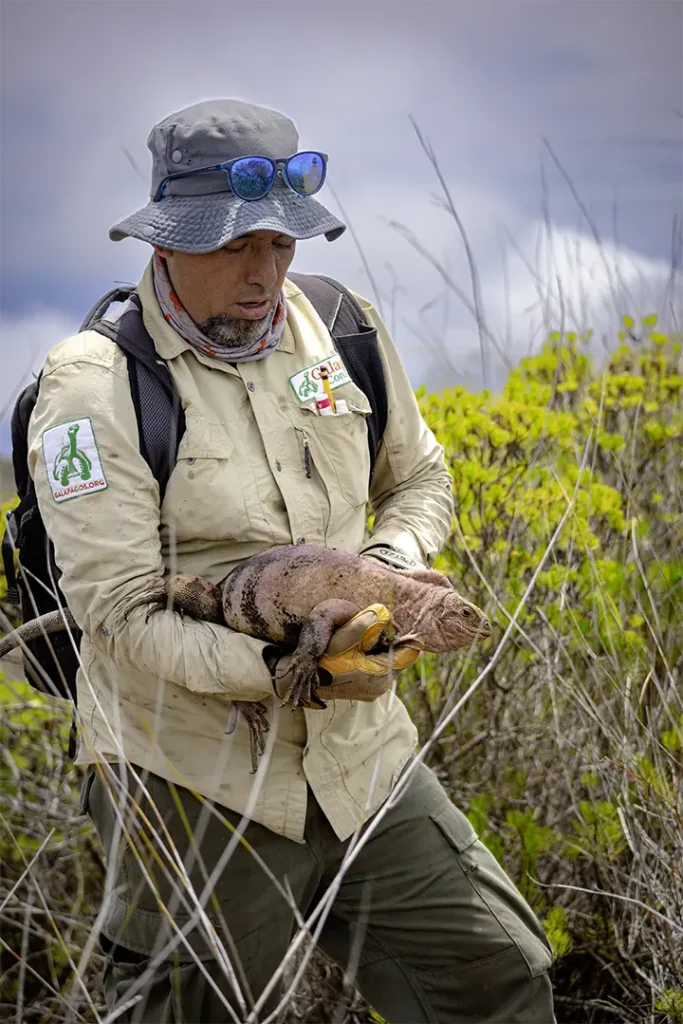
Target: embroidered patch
pixel 72 460
pixel 307 384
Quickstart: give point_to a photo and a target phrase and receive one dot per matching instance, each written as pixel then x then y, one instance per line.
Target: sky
pixel 556 127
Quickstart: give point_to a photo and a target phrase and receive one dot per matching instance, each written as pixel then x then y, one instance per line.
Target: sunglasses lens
pixel 252 177
pixel 306 173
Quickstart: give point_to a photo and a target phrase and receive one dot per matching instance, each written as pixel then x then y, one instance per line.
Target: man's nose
pixel 262 269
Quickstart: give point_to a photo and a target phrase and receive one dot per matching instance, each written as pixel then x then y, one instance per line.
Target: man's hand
pixel 347 671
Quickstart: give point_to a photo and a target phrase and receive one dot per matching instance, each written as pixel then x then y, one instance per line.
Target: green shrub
pixel 568 758
pixel 49 909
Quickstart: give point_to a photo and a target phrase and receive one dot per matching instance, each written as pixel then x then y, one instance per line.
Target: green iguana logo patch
pixel 307 383
pixel 72 460
pixel 307 387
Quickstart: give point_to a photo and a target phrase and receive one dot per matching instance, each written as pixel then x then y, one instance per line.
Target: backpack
pixel 27 551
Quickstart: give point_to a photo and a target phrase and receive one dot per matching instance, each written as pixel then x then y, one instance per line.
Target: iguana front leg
pixel 314 637
pixel 196 597
pixel 185 593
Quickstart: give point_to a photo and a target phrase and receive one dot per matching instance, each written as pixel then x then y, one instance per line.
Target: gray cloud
pixel 486 81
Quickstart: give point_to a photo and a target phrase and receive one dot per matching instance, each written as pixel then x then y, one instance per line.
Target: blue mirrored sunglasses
pixel 252 177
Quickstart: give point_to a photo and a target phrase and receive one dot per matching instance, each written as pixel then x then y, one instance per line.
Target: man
pixel 424 918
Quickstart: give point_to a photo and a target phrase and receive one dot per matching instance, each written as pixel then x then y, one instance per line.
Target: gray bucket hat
pixel 201 213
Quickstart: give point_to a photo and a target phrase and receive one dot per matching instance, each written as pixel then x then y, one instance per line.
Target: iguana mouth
pixel 386 644
pixel 387 640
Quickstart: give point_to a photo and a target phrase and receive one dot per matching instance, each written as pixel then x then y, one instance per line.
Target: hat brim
pixel 204 223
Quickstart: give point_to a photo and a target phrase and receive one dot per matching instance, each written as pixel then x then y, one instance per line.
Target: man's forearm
pixel 202 656
pixel 414 519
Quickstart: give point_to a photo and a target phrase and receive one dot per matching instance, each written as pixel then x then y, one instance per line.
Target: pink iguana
pixel 295 596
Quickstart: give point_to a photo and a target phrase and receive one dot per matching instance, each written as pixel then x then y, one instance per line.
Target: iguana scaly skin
pixel 295 596
pixel 51 622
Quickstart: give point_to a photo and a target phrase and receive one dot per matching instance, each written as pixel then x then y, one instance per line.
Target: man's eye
pixel 284 245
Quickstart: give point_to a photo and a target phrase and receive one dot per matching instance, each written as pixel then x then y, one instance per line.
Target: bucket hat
pixel 201 213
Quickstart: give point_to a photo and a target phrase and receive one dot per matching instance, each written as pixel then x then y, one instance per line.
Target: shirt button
pixel 251 386
pixel 278 465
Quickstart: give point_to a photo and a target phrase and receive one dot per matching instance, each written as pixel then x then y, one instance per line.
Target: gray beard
pixel 227 332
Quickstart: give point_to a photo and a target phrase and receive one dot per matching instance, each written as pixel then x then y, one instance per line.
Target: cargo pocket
pixel 495 890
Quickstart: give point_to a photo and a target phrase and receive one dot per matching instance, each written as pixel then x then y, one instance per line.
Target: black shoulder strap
pixel 161 421
pixel 334 304
pixel 356 342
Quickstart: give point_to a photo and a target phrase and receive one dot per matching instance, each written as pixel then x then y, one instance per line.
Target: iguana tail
pixel 51 622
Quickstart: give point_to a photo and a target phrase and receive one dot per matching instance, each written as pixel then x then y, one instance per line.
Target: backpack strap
pixel 161 420
pixel 120 294
pixel 356 342
pixel 19 428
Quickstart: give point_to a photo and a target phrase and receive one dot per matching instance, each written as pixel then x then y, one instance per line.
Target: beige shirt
pixel 159 690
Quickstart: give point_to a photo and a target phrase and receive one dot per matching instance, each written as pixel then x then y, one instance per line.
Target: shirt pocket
pixel 339 446
pixel 205 499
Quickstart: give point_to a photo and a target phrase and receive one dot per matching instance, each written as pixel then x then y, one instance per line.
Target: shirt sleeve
pixel 100 505
pixel 411 491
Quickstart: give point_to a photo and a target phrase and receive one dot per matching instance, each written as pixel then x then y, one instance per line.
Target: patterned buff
pixel 180 320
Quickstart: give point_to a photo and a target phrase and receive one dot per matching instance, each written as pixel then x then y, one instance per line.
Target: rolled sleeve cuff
pixel 399 540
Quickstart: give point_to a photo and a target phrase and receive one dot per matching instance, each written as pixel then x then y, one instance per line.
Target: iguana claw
pixel 255 714
pixel 304 680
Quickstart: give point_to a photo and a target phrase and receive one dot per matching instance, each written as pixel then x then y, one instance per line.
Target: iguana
pixel 295 596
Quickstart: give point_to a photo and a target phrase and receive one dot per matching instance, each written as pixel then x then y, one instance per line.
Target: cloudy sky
pixel 503 90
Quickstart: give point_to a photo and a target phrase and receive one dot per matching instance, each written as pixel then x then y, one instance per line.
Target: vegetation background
pixel 568 753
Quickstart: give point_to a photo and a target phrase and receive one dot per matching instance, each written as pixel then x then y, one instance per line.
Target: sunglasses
pixel 252 177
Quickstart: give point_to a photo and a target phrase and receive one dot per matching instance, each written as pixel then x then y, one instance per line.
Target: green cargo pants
pixel 425 919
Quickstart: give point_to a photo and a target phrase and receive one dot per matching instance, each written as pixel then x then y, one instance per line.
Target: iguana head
pixel 447 622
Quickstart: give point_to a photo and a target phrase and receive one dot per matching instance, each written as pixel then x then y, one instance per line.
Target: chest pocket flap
pixel 205 499
pixel 204 439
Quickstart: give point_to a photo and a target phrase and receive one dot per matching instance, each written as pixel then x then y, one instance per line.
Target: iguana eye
pixel 466 612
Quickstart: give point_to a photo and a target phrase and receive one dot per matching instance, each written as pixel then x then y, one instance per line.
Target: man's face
pixel 231 294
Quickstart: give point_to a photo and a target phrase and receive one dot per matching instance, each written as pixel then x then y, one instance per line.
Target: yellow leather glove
pixel 353 672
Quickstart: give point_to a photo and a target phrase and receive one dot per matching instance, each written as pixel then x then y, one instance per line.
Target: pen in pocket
pixel 307 450
pixel 307 458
